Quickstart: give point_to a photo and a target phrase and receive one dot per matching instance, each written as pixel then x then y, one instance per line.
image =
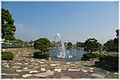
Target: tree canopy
pixel 79 44
pixel 92 45
pixel 112 45
pixel 8 27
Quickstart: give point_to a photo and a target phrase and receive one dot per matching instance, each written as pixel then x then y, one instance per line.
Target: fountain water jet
pixel 62 49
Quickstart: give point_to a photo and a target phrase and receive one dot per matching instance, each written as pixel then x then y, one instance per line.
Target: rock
pixel 58 70
pixel 43 69
pixel 18 70
pixel 16 67
pixel 116 73
pixel 36 67
pixel 36 64
pixel 3 50
pixel 64 67
pixel 6 65
pixel 84 70
pixel 25 68
pixel 26 75
pixel 18 63
pixel 43 65
pixel 53 65
pixel 57 64
pixel 73 69
pixel 26 63
pixel 45 74
pixel 68 63
pixel 42 62
pixel 10 74
pixel 73 64
pixel 107 72
pixel 85 63
pixel 91 68
pixel 33 71
pixel 49 72
pixel 98 75
pixel 4 61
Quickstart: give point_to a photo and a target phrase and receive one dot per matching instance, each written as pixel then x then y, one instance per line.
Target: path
pixel 24 66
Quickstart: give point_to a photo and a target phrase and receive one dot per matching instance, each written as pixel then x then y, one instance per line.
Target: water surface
pixel 76 54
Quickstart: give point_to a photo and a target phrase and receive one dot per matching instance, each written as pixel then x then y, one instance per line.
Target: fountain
pixel 62 52
pixel 58 52
pixel 62 47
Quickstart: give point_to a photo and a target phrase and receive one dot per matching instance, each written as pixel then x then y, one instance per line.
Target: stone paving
pixel 24 66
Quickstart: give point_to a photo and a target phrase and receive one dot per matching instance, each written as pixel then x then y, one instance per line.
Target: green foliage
pixel 31 42
pixel 109 58
pixel 117 33
pixel 7 56
pixel 88 56
pixel 79 44
pixel 112 45
pixel 85 57
pixel 41 55
pixel 8 27
pixel 42 44
pixel 92 45
pixel 69 45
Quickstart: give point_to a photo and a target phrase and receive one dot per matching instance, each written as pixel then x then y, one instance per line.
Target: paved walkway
pixel 24 66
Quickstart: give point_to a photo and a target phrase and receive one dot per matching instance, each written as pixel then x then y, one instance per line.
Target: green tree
pixel 92 45
pixel 69 45
pixel 42 44
pixel 112 45
pixel 8 27
pixel 79 44
pixel 117 33
pixel 109 45
pixel 31 42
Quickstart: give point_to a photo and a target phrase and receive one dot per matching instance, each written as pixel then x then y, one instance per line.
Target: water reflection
pixel 73 54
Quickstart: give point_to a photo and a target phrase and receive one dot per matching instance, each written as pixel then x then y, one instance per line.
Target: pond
pixel 77 54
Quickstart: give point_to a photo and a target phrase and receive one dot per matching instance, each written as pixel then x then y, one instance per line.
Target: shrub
pixel 41 55
pixel 88 56
pixel 109 58
pixel 43 44
pixel 7 56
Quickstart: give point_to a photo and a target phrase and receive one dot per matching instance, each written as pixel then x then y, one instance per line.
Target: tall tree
pixel 8 27
pixel 92 45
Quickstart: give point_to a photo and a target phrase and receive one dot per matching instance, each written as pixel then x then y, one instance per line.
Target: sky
pixel 74 21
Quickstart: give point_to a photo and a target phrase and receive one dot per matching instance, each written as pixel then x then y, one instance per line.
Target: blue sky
pixel 75 21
